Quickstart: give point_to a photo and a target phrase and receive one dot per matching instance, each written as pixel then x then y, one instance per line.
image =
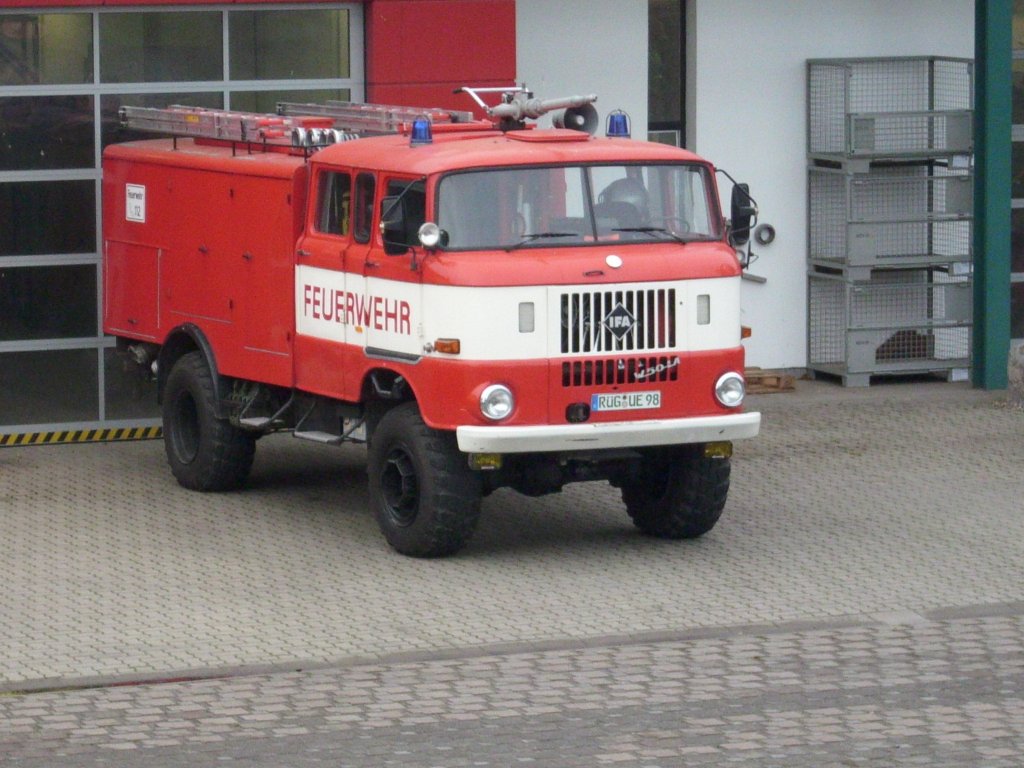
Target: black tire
pixel 205 453
pixel 424 495
pixel 678 494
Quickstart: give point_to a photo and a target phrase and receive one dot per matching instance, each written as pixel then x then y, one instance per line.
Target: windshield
pixel 572 205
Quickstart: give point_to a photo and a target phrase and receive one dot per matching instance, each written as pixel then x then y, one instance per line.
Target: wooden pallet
pixel 761 382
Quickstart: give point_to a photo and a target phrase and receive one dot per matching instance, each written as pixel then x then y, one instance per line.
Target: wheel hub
pixel 186 436
pixel 399 487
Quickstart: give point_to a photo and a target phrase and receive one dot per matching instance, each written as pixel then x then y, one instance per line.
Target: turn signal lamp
pixel 746 332
pixel 448 346
pixel 421 132
pixel 617 126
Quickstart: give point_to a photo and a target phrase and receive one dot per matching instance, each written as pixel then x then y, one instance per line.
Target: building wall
pixel 586 46
pixel 746 77
pixel 419 51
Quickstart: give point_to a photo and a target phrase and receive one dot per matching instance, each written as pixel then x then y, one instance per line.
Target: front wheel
pixel 679 493
pixel 423 493
pixel 205 453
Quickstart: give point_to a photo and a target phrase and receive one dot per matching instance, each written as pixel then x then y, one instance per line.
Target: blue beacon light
pixel 617 126
pixel 421 132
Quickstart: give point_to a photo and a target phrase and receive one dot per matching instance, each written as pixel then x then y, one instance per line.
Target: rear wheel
pixel 205 453
pixel 679 493
pixel 424 496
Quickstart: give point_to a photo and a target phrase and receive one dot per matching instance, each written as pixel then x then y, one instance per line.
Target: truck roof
pixel 459 150
pixel 449 151
pixel 215 156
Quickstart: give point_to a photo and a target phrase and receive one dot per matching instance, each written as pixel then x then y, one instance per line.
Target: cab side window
pixel 334 212
pixel 402 212
pixel 363 221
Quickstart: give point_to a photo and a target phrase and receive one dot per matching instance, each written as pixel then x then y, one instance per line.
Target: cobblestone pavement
pixel 895 498
pixel 938 690
pixel 860 604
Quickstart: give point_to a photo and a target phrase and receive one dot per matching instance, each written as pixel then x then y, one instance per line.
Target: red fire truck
pixel 483 303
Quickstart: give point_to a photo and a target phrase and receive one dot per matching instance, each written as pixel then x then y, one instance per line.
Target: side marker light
pixel 448 346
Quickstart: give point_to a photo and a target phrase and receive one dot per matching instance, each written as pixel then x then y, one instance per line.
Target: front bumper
pixel 609 434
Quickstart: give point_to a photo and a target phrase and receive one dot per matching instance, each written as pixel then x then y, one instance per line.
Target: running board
pixel 325 438
pixel 264 422
pixel 256 422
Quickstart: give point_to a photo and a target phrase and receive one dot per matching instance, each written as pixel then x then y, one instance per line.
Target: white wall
pixel 746 74
pixel 745 103
pixel 586 46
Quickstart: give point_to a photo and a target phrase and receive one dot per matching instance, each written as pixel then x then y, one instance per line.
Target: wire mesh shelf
pixel 890 216
pixel 890 107
pixel 897 216
pixel 903 321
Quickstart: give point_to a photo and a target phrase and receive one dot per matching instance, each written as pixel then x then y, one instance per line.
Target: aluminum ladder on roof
pixel 296 125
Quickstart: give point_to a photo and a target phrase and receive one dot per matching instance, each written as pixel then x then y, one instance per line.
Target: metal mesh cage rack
pixel 904 321
pixel 894 216
pixel 889 107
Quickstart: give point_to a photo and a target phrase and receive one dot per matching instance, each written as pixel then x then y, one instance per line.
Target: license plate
pixel 625 401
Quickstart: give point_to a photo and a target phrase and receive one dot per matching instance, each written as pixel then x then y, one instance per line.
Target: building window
pixel 68 293
pixel 266 101
pixel 279 45
pixel 49 386
pixel 159 47
pixel 59 102
pixel 665 72
pixel 45 218
pixel 45 48
pixel 1017 169
pixel 46 132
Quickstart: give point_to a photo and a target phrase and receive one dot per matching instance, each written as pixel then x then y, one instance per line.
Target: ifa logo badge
pixel 619 321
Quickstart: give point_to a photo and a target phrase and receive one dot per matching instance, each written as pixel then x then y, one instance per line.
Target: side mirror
pixel 392 225
pixel 742 214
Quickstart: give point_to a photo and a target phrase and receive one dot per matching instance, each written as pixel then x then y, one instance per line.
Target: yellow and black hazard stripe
pixel 79 436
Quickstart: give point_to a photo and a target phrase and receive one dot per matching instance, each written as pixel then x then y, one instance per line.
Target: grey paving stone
pixel 896 502
pixel 974 718
pixel 859 603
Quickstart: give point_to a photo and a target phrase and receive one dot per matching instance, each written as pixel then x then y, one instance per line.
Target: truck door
pixel 323 304
pixel 393 281
pixel 263 235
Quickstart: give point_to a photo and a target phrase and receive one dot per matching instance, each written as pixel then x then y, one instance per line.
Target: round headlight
pixel 497 402
pixel 730 389
pixel 429 234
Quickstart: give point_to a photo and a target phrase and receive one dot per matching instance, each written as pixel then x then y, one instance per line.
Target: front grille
pixel 589 373
pixel 618 320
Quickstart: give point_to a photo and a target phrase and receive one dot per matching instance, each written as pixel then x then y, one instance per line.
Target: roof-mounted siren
pixel 518 104
pixel 421 131
pixel 582 118
pixel 617 125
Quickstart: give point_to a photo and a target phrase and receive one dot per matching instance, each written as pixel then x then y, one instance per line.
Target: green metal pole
pixel 993 44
